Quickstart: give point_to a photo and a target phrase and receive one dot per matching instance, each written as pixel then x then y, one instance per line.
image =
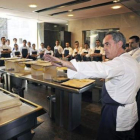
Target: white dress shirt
pixel 59 48
pixel 51 52
pixel 4 47
pixel 89 51
pixel 24 47
pixel 32 50
pixel 122 80
pixel 135 54
pixel 75 51
pixel 70 50
pixel 42 50
pixel 13 52
pixel 99 48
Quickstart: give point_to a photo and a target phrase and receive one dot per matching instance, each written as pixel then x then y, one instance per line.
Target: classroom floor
pixel 48 130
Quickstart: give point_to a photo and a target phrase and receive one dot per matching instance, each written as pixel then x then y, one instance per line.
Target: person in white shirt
pixel 29 45
pixel 122 77
pixel 8 43
pixel 42 50
pixel 49 51
pixel 135 53
pixel 24 50
pixel 135 48
pixel 77 51
pixel 16 52
pixel 4 49
pixel 67 53
pixel 86 52
pixel 58 50
pixel 14 42
pixel 97 51
pixel 33 52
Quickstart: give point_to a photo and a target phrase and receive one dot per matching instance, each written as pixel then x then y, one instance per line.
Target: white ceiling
pixel 18 8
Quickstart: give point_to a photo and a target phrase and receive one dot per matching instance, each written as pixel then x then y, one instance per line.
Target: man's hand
pixel 54 60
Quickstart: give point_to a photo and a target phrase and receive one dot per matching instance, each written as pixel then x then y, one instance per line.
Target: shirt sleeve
pixel 1 48
pixel 82 51
pixel 101 51
pixel 136 55
pixel 51 52
pixel 63 51
pixel 70 51
pixel 96 69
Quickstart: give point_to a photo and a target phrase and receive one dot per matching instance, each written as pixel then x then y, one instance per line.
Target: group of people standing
pixel 120 115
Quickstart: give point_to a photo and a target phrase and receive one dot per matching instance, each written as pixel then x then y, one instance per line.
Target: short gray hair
pixel 117 36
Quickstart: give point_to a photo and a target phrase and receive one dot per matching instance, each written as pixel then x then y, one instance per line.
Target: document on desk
pixel 78 83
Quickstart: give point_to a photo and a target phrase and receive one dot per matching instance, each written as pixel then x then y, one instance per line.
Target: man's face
pixel 29 44
pixel 16 47
pixel 86 46
pixel 57 43
pixel 24 43
pixel 15 41
pixel 111 48
pixel 42 45
pixel 8 42
pixel 67 45
pixel 48 48
pixel 98 43
pixel 133 44
pixel 76 45
pixel 33 46
pixel 3 40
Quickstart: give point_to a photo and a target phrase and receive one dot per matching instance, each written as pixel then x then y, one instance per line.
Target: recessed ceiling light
pixel 116 0
pixel 116 7
pixel 70 10
pixel 70 15
pixel 61 7
pixel 32 6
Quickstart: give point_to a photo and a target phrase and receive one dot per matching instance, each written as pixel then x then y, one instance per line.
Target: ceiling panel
pixel 95 12
pixel 18 8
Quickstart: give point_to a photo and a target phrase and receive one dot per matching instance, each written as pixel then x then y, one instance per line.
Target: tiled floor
pixel 48 130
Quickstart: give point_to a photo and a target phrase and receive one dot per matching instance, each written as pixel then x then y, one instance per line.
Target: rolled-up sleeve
pixel 96 69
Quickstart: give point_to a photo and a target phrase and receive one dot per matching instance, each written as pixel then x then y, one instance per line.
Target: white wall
pixel 21 28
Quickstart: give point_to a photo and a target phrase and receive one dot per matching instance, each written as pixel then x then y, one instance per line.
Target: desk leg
pixel 5 84
pixel 71 110
pixel 9 83
pixel 59 99
pixel 96 93
pixel 27 136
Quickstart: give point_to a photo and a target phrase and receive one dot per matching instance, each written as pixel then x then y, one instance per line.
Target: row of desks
pixel 68 100
pixel 17 122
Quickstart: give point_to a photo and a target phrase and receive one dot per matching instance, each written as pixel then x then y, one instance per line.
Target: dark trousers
pixel 137 126
pixel 107 128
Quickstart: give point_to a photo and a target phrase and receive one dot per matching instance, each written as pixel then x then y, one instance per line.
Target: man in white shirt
pixel 135 48
pixel 16 52
pixel 86 52
pixel 67 53
pixel 58 50
pixel 135 53
pixel 77 51
pixel 4 49
pixel 24 50
pixel 29 46
pixel 42 50
pixel 49 51
pixel 122 78
pixel 33 52
pixel 97 51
